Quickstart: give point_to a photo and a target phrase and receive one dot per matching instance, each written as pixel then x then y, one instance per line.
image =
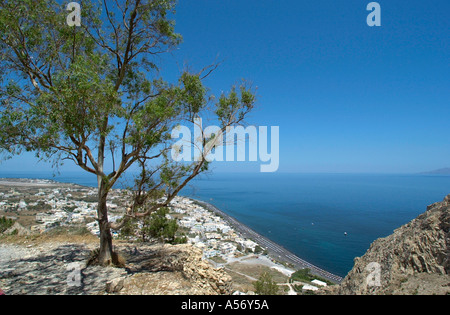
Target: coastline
pixel 274 248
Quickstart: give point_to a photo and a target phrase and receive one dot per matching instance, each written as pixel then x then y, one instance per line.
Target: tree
pixel 93 95
pixel 265 285
pixel 159 226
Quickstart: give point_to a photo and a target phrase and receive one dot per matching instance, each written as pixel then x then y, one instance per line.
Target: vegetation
pixel 159 226
pixel 128 229
pixel 5 224
pixel 92 94
pixel 304 275
pixel 71 230
pixel 259 249
pixel 265 285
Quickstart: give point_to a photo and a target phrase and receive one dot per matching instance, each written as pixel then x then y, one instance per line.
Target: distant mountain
pixel 441 171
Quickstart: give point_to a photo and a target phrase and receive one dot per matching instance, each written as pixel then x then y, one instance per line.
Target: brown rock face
pixel 415 259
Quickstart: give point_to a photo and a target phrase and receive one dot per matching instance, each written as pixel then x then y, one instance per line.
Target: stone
pixel 115 285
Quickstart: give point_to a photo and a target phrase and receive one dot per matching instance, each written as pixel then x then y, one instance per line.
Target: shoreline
pixel 273 248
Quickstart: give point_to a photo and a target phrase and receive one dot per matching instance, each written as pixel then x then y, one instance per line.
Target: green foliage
pixel 5 224
pixel 159 226
pixel 77 78
pixel 235 106
pixel 304 275
pixel 129 229
pixel 259 249
pixel 265 285
pixel 193 94
pixel 179 240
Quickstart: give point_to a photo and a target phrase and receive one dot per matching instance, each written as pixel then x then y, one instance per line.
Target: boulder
pixel 115 285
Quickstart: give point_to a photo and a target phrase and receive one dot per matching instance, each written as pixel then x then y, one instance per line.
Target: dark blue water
pixel 309 213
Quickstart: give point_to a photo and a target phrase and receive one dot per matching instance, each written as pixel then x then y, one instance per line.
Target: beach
pixel 275 249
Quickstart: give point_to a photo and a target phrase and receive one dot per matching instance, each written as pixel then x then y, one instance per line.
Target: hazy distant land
pixel 441 171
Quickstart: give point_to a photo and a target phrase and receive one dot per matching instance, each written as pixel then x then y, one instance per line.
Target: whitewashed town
pixel 210 232
pixel 74 205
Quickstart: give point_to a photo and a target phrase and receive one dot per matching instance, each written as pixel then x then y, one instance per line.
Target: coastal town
pixel 69 205
pixel 40 206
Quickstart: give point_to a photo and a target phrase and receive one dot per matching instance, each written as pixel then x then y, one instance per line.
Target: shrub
pixel 265 285
pixel 159 226
pixel 5 224
pixel 304 275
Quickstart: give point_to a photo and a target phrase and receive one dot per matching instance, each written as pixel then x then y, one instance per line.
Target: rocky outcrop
pixel 175 270
pixel 54 267
pixel 415 259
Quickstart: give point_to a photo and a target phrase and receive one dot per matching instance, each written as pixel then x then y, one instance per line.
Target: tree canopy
pixel 93 94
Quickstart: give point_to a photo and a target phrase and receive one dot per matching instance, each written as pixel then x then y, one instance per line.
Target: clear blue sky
pixel 347 97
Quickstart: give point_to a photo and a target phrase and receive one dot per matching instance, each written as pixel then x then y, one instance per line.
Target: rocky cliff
pixel 415 259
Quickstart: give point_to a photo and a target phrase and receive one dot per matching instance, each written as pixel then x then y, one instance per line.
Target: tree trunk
pixel 106 256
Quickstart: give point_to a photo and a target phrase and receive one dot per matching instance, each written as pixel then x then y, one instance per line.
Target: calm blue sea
pixel 309 214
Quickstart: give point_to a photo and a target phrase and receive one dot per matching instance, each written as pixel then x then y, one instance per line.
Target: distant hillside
pixel 441 171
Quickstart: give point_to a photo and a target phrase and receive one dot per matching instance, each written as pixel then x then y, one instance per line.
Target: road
pixel 275 249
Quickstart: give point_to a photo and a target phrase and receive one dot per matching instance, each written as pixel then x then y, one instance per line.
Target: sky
pixel 348 98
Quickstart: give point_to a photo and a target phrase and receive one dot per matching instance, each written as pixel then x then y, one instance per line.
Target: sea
pixel 325 219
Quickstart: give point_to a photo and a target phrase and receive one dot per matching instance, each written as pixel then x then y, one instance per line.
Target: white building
pixel 22 204
pixel 247 244
pixel 210 253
